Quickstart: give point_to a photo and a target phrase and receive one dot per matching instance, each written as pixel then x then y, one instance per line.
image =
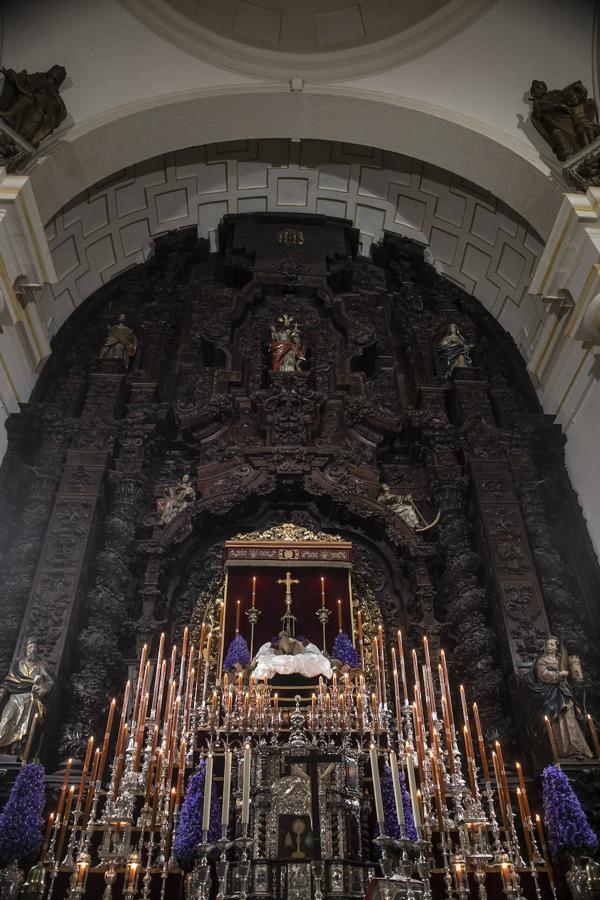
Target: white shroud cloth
pixel 309 664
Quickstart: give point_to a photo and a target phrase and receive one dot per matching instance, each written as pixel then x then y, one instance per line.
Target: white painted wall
pixel 583 452
pixel 485 71
pixel 111 59
pixel 482 73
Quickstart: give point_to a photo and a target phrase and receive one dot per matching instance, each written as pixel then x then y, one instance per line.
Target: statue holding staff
pixel 24 689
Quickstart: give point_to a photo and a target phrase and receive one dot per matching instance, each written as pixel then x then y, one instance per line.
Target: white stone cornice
pixel 567 277
pixel 25 267
pixel 565 364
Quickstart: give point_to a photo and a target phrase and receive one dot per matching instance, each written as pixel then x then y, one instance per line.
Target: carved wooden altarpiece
pixel 88 567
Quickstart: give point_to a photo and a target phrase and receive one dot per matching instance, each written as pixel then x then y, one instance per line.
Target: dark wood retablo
pixel 90 569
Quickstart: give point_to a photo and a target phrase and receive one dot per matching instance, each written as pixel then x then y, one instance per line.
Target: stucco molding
pixel 327 65
pixel 127 135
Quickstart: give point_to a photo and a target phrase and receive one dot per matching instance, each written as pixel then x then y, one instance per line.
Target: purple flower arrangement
pixel 189 830
pixel 237 652
pixel 567 824
pixel 21 820
pixel 344 651
pixel 411 831
pixel 392 829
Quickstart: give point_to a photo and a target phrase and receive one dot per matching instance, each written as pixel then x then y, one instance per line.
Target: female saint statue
pixel 454 351
pixel 25 686
pixel 549 681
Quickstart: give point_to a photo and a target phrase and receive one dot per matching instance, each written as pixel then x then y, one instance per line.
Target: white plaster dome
pixel 325 39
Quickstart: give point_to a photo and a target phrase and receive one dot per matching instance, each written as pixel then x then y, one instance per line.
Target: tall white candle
pixel 377 787
pixel 226 789
pixel 397 789
pixel 207 793
pixel 412 786
pixel 246 776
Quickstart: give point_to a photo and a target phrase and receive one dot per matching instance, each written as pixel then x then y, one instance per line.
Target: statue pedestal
pixel 583 169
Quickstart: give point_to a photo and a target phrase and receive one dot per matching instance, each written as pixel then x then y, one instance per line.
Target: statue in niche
pixel 567 119
pixel 177 498
pixel 404 507
pixel 454 350
pixel 555 679
pixel 287 350
pixel 24 689
pixel 121 343
pixel 30 102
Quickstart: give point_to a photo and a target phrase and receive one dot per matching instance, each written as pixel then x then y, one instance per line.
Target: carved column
pixel 57 583
pixel 53 608
pixel 521 608
pixel 28 495
pixel 474 659
pixel 464 601
pixel 109 604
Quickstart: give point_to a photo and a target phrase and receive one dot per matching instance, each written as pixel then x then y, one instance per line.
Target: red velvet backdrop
pixel 306 600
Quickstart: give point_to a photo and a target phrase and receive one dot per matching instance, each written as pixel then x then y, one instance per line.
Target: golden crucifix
pixel 288 620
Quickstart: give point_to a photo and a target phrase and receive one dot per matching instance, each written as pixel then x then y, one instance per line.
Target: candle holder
pixel 203 869
pixel 243 845
pixel 132 874
pixel 460 876
pixel 317 867
pixel 385 843
pixel 323 614
pixel 69 858
pixel 253 614
pixel 510 879
pixel 499 851
pixel 513 842
pixel 222 846
pixel 536 881
pixel 406 863
pixel 479 875
pixel 79 877
pixel 424 867
pixel 49 857
pixel 172 862
pixel 110 876
pixel 147 879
